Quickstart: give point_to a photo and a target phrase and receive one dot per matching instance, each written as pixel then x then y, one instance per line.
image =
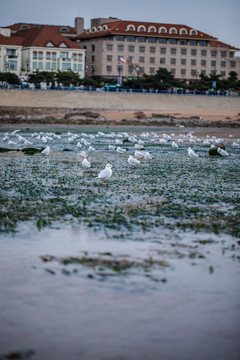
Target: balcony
pixel 11 56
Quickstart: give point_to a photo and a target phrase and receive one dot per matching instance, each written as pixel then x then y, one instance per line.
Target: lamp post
pixel 27 69
pixel 214 82
pixel 93 70
pixel 119 69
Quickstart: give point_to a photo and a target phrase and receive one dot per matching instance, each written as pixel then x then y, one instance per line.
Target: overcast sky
pixel 219 18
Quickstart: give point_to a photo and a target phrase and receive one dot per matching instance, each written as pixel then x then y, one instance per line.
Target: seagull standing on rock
pixel 106 173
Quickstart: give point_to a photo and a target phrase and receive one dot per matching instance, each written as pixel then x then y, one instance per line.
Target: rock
pixel 213 151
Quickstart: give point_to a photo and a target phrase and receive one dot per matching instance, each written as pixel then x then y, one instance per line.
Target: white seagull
pixel 106 173
pixel 46 151
pixel 133 161
pixel 85 163
pixel 192 153
pixel 222 152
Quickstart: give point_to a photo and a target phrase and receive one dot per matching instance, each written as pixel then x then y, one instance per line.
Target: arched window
pixel 152 29
pixel 183 31
pixel 99 28
pixel 64 29
pixel 141 28
pixel 162 30
pixel 131 28
pixel 94 29
pixel 105 27
pixel 173 30
pixel 193 32
pixel 24 27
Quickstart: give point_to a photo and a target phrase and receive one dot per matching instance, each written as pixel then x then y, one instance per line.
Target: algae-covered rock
pixel 3 149
pixel 214 150
pixel 31 151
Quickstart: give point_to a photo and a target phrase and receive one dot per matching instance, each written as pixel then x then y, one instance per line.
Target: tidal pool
pixel 144 268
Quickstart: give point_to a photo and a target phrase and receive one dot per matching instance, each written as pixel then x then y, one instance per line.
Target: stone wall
pixel 115 101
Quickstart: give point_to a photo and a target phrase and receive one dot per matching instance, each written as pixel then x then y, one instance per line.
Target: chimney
pixel 79 25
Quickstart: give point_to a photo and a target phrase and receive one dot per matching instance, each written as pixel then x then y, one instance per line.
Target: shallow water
pixel 175 218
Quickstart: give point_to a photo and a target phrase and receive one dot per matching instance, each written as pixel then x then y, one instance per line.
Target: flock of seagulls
pixel 115 142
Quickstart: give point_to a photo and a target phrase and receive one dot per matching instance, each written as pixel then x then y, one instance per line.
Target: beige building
pixel 128 48
pixel 25 48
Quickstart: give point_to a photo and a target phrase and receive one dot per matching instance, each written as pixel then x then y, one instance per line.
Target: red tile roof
pixel 7 40
pixel 17 27
pixel 219 43
pixel 41 35
pixel 120 27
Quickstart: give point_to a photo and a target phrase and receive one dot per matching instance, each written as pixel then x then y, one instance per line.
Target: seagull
pixel 46 151
pixel 106 173
pixel 222 152
pixel 174 145
pixel 85 163
pixel 192 153
pixel 120 150
pixel 91 148
pixel 111 147
pixel 139 146
pixel 133 161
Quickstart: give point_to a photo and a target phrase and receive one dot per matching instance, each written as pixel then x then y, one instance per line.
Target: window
pixel 130 59
pixel 119 37
pixel 183 51
pixel 74 67
pixel 152 70
pixel 173 41
pixel 214 53
pixel 202 43
pixel 223 73
pixel 64 29
pixel 193 62
pixel 53 65
pixel 203 63
pixel 223 53
pixel 141 39
pixel 80 57
pixel 131 28
pixel 48 65
pixel 66 66
pixel 93 58
pixel 130 38
pixel 152 40
pixel 109 47
pixel 141 59
pixel 40 55
pixel 74 56
pixel 40 65
pixel 193 42
pixel 79 67
pixel 204 52
pixel 54 56
pixel 193 32
pixel 232 64
pixel 183 71
pixel 48 55
pixel 194 72
pixel 173 61
pixel 62 45
pixel 35 55
pixel 64 55
pixel 223 63
pixel 120 47
pixel 162 30
pixel 183 61
pixel 162 50
pixel 173 31
pixel 173 71
pixel 141 28
pixel 141 49
pixel 24 27
pixel 162 60
pixel 162 41
pixel 12 65
pixel 193 52
pixel 183 42
pixel 34 65
pixel 231 54
pixel 109 68
pixel 152 60
pixel 152 49
pixel 131 48
pixel 93 47
pixel 203 72
pixel 109 57
pixel 183 31
pixel 49 44
pixel 152 29
pixel 173 51
pixel 213 63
